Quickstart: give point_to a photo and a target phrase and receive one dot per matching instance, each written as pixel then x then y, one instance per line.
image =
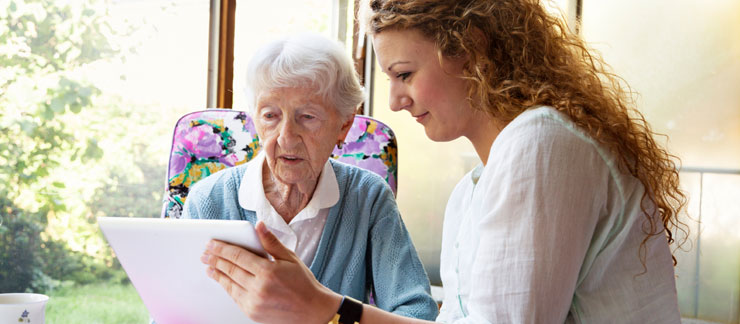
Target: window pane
pixel 89 93
pixel 683 58
pixel 258 22
pixel 708 265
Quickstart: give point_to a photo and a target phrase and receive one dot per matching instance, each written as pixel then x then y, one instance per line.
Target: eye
pixel 403 76
pixel 269 115
pixel 309 117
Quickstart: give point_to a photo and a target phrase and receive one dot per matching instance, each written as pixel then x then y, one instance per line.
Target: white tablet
pixel 162 260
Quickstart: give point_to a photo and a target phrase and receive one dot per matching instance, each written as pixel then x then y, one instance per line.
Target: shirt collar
pixel 476 173
pixel 252 193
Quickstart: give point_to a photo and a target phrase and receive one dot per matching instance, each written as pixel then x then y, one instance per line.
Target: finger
pixel 237 255
pixel 240 276
pixel 272 245
pixel 236 291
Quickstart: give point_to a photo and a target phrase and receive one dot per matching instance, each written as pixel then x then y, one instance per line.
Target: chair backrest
pixel 371 145
pixel 205 142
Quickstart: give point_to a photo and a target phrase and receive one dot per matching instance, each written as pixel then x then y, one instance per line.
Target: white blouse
pixel 303 233
pixel 549 231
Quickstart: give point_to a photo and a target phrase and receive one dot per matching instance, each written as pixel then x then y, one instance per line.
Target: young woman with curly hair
pixel 569 217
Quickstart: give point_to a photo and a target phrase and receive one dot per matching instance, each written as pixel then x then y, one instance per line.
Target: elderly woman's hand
pixel 279 291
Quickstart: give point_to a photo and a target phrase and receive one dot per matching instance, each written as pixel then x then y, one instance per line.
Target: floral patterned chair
pixel 207 141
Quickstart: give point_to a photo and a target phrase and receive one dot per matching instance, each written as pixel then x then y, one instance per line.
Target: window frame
pixel 220 89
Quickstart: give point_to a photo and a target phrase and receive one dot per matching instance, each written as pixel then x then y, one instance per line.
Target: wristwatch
pixel 349 312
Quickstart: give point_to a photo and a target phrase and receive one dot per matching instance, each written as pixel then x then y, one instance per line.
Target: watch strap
pixel 350 311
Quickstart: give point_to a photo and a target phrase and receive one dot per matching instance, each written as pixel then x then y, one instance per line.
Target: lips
pixel 290 159
pixel 420 117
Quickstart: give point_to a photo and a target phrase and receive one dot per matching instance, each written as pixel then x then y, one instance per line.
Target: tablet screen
pixel 162 259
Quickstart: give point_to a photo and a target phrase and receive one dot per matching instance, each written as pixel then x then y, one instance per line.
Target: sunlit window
pixel 89 93
pixel 683 60
pixel 259 22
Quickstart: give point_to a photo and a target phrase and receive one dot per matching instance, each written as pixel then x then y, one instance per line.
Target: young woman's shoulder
pixel 544 131
pixel 543 120
pixel 544 142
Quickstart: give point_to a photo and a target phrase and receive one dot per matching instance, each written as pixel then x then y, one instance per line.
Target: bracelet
pixel 349 312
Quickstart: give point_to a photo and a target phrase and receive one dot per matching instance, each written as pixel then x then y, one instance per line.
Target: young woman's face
pixel 433 93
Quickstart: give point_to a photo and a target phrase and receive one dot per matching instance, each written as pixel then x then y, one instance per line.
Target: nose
pixel 398 98
pixel 289 134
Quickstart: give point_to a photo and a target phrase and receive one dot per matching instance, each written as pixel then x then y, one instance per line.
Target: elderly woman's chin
pixel 292 172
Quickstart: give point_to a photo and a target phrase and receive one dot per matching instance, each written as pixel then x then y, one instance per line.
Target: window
pixel 683 60
pixel 259 22
pixel 89 97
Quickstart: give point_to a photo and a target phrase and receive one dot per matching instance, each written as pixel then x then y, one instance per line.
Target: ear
pixel 476 41
pixel 346 127
pixel 479 36
pixel 481 45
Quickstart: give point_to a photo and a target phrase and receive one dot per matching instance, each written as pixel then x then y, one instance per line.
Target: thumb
pixel 272 245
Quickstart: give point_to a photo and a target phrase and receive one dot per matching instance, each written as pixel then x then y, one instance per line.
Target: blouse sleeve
pixel 540 203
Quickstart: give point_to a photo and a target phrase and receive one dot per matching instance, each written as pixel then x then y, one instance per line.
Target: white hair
pixel 305 60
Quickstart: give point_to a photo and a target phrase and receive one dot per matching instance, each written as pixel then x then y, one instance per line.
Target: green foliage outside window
pixel 19 241
pixel 68 152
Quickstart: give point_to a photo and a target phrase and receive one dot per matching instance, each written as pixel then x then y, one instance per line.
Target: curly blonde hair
pixel 519 57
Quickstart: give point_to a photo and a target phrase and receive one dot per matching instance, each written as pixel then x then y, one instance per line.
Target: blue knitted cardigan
pixel 364 246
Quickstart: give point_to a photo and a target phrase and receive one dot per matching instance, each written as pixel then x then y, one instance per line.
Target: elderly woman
pixel 339 220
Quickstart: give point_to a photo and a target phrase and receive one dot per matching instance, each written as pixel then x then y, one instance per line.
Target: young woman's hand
pixel 267 291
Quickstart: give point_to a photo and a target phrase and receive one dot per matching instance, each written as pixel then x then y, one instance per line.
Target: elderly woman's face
pixel 298 131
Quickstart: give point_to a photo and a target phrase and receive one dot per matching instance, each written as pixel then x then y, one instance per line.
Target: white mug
pixel 22 308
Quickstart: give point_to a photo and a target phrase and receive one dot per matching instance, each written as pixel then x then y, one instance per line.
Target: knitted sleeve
pixel 215 197
pixel 399 280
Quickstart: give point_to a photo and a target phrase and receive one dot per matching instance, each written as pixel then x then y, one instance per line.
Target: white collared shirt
pixel 303 233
